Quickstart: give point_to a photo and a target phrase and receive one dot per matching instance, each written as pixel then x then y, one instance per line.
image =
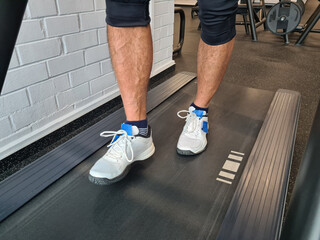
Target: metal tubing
pixel 251 18
pixel 245 24
pixel 315 18
pixel 182 29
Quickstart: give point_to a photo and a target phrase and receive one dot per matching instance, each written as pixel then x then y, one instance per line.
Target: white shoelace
pixel 118 148
pixel 193 121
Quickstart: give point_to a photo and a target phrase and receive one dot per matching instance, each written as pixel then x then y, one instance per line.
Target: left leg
pixel 212 65
pixel 215 48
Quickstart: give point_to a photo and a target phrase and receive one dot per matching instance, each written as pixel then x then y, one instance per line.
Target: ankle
pixel 142 125
pixel 139 124
pixel 206 109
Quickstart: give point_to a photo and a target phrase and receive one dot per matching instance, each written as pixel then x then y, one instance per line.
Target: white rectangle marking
pixel 224 181
pixel 234 157
pixel 239 153
pixel 231 166
pixel 226 175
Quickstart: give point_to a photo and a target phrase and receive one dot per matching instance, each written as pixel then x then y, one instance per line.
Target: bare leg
pixel 131 53
pixel 212 65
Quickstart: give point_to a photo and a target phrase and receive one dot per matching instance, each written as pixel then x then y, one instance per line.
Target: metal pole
pixel 251 18
pixel 315 16
pixel 182 29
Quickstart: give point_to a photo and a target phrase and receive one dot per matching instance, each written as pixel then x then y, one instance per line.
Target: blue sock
pixel 142 125
pixel 199 108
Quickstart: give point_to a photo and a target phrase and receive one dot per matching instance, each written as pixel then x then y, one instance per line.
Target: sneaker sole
pixel 188 152
pixel 105 181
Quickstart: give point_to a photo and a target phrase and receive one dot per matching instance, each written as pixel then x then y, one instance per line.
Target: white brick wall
pixel 100 4
pixel 5 127
pixel 96 54
pixel 85 74
pixel 42 91
pixel 61 83
pixel 61 25
pixel 163 19
pixel 14 60
pixel 37 51
pixel 65 63
pixel 61 68
pixel 75 6
pixel 42 8
pixel 31 30
pixel 24 76
pixel 82 40
pixel 13 102
pixel 92 20
pixel 34 113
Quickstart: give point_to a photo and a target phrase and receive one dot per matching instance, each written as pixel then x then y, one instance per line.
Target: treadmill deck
pixel 166 197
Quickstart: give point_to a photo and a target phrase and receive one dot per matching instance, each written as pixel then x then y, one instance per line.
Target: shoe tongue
pixel 191 109
pixel 130 129
pixel 199 113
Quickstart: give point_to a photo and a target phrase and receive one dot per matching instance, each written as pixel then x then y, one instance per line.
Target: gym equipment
pixel 246 8
pixel 181 31
pixel 217 194
pixel 285 16
pixel 195 10
pixel 308 26
pixel 258 17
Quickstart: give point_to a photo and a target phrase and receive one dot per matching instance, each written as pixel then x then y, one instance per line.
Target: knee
pixel 218 19
pixel 127 13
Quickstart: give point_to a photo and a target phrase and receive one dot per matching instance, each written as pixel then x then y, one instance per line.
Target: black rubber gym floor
pixel 268 64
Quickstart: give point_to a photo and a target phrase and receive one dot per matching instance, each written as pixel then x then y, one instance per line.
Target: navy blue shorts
pixel 217 17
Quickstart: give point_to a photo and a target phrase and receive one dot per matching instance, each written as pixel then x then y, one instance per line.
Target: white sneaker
pixel 193 139
pixel 126 147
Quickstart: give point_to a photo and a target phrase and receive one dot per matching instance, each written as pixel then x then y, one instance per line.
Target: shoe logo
pixel 205 127
pixel 230 167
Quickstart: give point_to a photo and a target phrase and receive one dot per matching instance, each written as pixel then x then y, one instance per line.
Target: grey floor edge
pixel 256 209
pixel 27 183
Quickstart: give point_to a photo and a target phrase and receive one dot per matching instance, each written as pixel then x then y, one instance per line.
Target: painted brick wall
pixel 61 67
pixel 162 25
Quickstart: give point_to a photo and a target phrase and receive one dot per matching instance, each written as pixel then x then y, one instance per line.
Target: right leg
pixel 131 52
pixel 130 45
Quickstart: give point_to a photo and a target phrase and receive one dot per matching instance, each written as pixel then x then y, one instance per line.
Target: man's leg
pixel 212 65
pixel 215 49
pixel 131 52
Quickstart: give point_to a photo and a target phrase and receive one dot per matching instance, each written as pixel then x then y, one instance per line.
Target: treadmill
pixel 236 189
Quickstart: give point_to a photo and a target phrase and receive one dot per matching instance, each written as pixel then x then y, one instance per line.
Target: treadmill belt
pixel 166 197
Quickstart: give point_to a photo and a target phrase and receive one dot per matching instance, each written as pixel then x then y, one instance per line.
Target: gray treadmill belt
pixel 166 197
pixel 27 183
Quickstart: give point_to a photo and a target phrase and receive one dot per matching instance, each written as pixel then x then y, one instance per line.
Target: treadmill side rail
pixel 257 207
